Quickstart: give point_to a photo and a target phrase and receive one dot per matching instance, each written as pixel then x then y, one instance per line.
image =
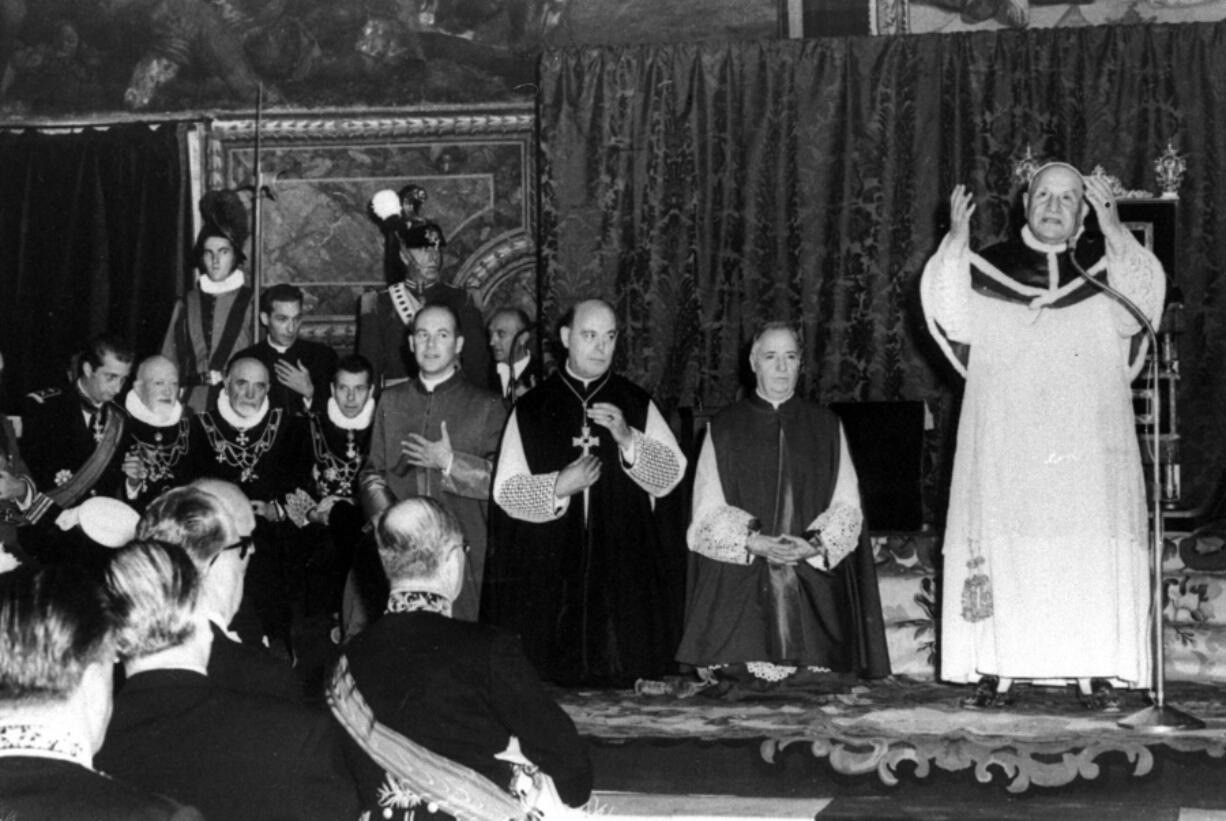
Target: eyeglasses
pixel 245 547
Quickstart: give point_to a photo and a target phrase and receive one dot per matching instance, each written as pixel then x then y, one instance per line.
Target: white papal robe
pixel 1047 483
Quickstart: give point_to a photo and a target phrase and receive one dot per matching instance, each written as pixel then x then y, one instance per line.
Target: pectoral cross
pixel 586 441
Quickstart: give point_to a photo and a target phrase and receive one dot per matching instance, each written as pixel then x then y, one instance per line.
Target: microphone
pixel 1159 717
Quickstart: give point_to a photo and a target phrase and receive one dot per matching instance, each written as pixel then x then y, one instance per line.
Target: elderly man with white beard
pixel 157 427
pixel 262 450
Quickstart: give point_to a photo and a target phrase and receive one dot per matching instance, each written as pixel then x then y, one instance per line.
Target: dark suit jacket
pixel 233 755
pixel 47 789
pixel 531 376
pixel 245 668
pixel 319 359
pixel 461 690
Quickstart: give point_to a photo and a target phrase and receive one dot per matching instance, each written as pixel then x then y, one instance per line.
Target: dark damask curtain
pixel 93 233
pixel 703 188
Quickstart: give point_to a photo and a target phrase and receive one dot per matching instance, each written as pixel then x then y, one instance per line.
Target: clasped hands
pixel 782 549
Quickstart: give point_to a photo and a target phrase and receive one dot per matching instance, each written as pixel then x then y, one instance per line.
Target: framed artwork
pixel 319 173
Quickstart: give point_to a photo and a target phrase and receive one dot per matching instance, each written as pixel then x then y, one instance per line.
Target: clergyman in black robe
pixel 583 574
pixel 782 578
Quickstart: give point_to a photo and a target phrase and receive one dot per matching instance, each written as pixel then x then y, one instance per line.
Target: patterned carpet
pixel 893 707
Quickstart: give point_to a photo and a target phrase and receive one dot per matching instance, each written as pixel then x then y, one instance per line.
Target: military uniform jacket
pixel 57 441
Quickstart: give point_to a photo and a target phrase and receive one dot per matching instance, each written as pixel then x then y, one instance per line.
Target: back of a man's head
pixel 154 587
pixel 233 501
pixel 414 537
pixel 54 623
pixel 190 518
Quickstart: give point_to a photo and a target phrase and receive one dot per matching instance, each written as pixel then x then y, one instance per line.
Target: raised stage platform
pixel 873 729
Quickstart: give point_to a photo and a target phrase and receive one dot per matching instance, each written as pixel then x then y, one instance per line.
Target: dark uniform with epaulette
pixel 74 450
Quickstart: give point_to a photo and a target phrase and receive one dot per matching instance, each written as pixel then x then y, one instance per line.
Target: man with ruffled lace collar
pixel 261 449
pixel 214 319
pixel 57 654
pixel 415 257
pixel 586 574
pixel 327 508
pixel 157 425
pixel 1045 569
pixel 783 587
pixel 435 436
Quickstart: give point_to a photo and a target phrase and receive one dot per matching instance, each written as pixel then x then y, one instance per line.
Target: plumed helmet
pixel 420 234
pixel 225 215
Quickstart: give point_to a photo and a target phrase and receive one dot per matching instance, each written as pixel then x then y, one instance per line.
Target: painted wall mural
pixel 316 230
pixel 73 57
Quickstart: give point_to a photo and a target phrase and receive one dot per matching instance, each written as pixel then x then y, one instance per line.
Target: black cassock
pixel 596 601
pixel 780 466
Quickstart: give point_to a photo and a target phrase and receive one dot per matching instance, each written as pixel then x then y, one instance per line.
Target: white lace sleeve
pixel 839 526
pixel 522 494
pixel 717 530
pixel 722 535
pixel 840 523
pixel 1137 274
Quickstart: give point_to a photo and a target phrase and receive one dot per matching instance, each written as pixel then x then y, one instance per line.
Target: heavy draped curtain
pixel 95 226
pixel 704 188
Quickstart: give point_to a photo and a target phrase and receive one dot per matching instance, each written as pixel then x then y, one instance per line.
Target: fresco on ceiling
pixel 65 57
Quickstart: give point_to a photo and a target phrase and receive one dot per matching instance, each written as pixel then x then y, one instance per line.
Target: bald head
pixel 1055 203
pixel 157 385
pixel 233 500
pixel 590 338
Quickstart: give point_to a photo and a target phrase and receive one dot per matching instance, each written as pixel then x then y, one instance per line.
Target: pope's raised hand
pixel 961 207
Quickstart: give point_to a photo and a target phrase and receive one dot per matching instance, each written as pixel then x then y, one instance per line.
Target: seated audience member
pixel 460 690
pixel 330 517
pixel 57 652
pixel 300 369
pixel 213 522
pixel 74 443
pixel 234 755
pixel 157 426
pixel 261 449
pixel 783 584
pixel 518 371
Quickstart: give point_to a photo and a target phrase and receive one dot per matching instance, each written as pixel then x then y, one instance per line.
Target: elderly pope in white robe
pixel 1047 504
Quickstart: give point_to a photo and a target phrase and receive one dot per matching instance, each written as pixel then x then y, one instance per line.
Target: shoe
pixel 1102 698
pixel 987 697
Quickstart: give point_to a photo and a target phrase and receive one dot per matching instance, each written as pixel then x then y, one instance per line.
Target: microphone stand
pixel 1158 717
